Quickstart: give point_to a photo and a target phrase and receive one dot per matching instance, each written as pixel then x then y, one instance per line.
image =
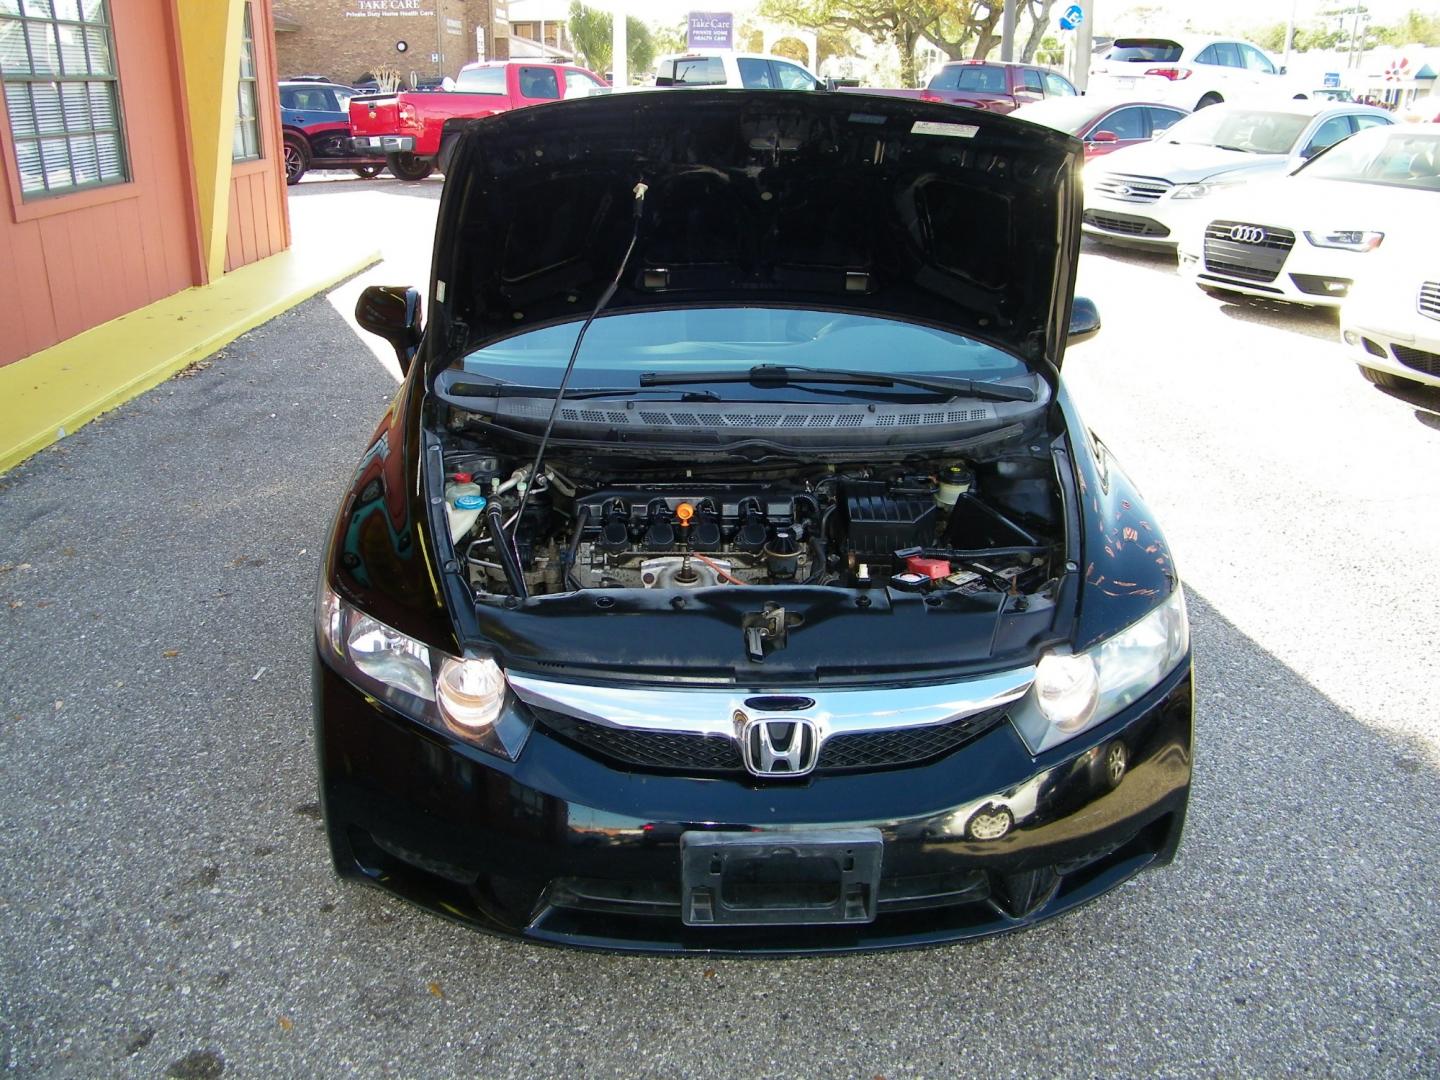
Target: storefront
pixel 139 156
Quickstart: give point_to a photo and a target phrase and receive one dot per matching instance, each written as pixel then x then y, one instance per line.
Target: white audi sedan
pixel 1310 236
pixel 1145 195
pixel 1390 323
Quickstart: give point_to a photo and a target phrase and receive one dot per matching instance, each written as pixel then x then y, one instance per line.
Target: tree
pixel 671 38
pixel 1039 12
pixel 591 30
pixel 901 23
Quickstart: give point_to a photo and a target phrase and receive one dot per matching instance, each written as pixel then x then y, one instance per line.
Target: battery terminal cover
pixel 933 569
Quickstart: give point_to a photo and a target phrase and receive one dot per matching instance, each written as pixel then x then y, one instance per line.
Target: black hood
pixel 931 213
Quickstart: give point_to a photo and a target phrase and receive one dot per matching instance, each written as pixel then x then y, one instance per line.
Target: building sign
pixel 454 26
pixel 385 8
pixel 711 30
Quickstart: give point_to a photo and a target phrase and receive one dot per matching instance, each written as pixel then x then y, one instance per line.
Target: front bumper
pixel 1140 221
pixel 1410 351
pixel 563 847
pixel 383 144
pixel 1301 274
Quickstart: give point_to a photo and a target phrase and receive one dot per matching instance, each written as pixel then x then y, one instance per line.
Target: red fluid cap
pixel 463 477
pixel 934 569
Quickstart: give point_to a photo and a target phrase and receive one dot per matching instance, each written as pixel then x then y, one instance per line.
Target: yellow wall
pixel 210 33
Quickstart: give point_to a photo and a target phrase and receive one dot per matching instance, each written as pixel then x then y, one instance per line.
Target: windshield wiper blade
pixel 464 387
pixel 1237 149
pixel 778 375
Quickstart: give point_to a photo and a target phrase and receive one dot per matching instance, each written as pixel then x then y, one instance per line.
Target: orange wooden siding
pixel 70 262
pixel 259 215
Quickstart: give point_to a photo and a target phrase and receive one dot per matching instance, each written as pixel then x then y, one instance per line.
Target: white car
pixel 1146 195
pixel 1391 322
pixel 753 71
pixel 1309 237
pixel 1192 72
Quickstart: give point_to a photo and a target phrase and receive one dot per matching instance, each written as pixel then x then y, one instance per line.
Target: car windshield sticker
pixel 953 131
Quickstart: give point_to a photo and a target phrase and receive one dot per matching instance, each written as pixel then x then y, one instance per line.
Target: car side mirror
pixel 1282 70
pixel 1084 321
pixel 829 83
pixel 1104 137
pixel 392 312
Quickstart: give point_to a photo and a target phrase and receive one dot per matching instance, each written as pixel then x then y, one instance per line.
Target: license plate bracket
pixel 776 878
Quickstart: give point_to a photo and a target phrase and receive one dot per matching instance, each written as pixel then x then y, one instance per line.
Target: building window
pixel 247 126
pixel 58 67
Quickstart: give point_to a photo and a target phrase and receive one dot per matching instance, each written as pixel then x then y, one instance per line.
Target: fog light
pixel 471 694
pixel 1352 338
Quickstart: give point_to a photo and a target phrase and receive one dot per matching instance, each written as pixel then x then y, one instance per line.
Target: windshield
pixel 1255 131
pixel 1394 158
pixel 618 348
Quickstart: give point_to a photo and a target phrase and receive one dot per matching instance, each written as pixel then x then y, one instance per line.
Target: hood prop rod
pixel 605 298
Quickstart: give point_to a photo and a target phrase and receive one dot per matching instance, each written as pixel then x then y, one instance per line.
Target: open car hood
pixel 953 218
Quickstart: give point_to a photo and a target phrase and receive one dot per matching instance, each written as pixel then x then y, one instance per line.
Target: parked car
pixel 1423 110
pixel 1390 322
pixel 1309 237
pixel 1145 194
pixel 1103 127
pixel 719 644
pixel 1195 72
pixel 409 128
pixel 986 84
pixel 315 126
pixel 752 71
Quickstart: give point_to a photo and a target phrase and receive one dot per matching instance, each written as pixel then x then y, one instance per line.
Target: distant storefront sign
pixel 711 30
pixel 454 26
pixel 388 8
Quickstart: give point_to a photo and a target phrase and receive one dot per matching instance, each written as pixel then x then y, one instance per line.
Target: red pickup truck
pixel 410 129
pixel 991 85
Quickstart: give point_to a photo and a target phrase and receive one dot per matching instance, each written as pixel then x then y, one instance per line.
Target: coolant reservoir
pixel 463 505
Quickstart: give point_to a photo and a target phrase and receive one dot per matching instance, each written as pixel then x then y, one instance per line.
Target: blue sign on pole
pixel 1072 17
pixel 710 30
pixel 1332 78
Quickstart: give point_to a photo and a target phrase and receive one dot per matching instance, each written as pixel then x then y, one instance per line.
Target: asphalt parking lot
pixel 166 900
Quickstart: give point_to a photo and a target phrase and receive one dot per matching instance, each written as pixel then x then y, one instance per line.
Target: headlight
pixel 1075 692
pixel 1345 239
pixel 463 696
pixel 1203 190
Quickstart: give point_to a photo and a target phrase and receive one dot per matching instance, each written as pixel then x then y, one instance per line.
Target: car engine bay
pixel 593 523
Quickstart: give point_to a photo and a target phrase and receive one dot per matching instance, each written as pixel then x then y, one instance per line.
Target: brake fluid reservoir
pixel 955 480
pixel 463 504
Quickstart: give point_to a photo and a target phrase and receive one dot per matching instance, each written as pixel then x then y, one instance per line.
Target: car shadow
pixel 385 184
pixel 1320 323
pixel 1164 261
pixel 1426 400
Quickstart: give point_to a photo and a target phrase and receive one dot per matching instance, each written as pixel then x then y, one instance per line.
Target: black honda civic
pixel 732 571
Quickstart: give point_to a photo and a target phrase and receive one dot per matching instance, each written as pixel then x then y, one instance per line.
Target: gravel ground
pixel 166 901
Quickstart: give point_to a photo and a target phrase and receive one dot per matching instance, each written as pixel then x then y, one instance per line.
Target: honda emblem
pixel 787 747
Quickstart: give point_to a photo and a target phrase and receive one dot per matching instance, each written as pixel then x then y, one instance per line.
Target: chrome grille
pixel 1429 300
pixel 1417 359
pixel 1244 250
pixel 686 753
pixel 1127 188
